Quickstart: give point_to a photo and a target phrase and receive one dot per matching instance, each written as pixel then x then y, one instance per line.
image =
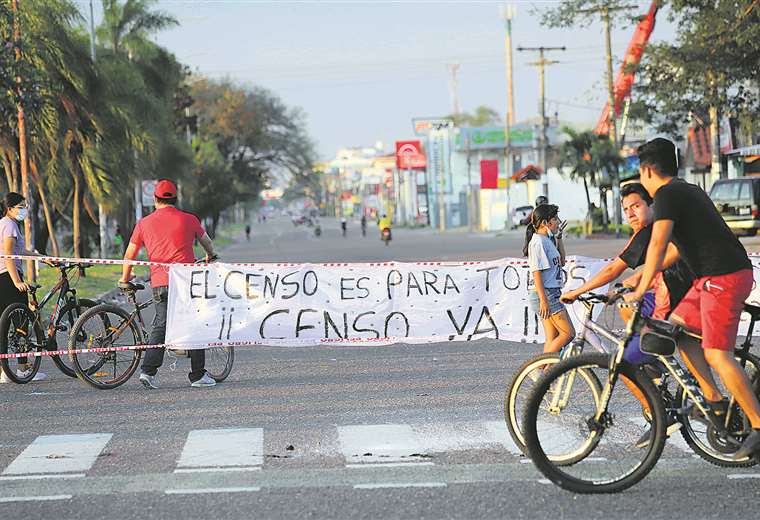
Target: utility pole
pixel 454 88
pixel 507 13
pixel 22 151
pixel 542 140
pixel 605 11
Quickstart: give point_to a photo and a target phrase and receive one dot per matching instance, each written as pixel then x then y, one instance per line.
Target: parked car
pixel 520 216
pixel 738 201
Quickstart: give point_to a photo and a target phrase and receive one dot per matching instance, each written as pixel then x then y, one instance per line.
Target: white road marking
pixel 217 470
pixel 390 465
pixel 401 485
pixel 223 448
pixel 200 491
pixel 740 476
pixel 59 454
pixel 34 499
pixel 379 443
pixel 38 477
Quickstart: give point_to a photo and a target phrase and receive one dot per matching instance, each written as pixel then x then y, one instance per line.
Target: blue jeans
pixel 552 295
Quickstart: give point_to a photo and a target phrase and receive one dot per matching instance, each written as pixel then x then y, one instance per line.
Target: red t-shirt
pixel 168 235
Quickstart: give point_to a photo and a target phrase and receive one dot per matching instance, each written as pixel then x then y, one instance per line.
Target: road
pixel 341 432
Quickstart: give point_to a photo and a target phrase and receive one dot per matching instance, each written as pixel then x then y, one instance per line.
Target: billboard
pixel 409 155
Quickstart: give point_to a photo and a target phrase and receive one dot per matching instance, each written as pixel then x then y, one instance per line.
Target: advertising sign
pixel 409 155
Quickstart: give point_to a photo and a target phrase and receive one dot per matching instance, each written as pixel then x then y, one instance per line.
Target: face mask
pixel 549 233
pixel 22 214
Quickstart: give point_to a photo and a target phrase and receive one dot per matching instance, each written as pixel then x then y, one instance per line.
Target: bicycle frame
pixel 63 289
pixel 589 333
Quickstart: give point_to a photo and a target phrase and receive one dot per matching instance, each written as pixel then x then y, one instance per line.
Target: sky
pixel 360 71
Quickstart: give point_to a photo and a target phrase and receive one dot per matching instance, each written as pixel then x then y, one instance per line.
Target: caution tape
pixel 46 353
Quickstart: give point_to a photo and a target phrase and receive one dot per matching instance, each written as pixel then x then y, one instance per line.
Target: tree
pixel 126 26
pixel 482 116
pixel 709 69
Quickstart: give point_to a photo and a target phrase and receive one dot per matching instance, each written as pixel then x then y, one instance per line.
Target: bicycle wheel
pixel 63 325
pixel 569 426
pixel 703 438
pixel 17 336
pixel 519 391
pixel 105 327
pixel 219 362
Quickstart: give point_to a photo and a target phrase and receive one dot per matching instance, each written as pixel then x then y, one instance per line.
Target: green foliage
pixel 713 62
pixel 482 116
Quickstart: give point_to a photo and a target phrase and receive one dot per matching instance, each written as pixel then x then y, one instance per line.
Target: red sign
pixel 489 174
pixel 409 156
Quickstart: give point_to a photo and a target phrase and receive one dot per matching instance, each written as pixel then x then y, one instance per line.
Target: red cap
pixel 166 189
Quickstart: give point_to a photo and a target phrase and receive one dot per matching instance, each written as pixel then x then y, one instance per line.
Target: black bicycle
pixel 112 340
pixel 626 429
pixel 22 329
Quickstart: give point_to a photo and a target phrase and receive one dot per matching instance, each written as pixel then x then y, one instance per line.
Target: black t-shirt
pixel 678 277
pixel 700 233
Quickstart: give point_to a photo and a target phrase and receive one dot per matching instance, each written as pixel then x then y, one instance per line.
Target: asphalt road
pixel 323 432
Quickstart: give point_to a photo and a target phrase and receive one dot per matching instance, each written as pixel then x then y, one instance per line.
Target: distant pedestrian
pixel 248 232
pixel 343 226
pixel 119 244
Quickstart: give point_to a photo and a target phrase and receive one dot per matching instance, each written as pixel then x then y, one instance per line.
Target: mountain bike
pixel 113 340
pixel 22 329
pixel 613 427
pixel 591 332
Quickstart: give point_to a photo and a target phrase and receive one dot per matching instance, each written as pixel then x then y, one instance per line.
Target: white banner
pixel 381 303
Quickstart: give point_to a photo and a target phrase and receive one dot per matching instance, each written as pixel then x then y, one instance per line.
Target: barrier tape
pixel 45 353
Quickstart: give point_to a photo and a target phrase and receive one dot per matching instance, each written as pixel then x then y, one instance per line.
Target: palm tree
pixel 575 154
pixel 126 25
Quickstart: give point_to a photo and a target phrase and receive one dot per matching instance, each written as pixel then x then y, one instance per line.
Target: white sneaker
pixel 149 382
pixel 205 381
pixel 3 378
pixel 39 376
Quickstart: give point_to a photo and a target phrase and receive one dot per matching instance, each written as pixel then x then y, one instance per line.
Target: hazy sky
pixel 362 70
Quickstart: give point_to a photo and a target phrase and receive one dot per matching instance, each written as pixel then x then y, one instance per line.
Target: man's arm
pixel 661 232
pixel 126 269
pixel 207 245
pixel 609 273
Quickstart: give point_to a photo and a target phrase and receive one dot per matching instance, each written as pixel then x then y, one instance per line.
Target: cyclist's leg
pixel 154 357
pixel 688 314
pixel 722 303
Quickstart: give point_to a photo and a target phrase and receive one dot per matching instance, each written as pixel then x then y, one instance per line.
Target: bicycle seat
pixel 753 311
pixel 34 286
pixel 129 286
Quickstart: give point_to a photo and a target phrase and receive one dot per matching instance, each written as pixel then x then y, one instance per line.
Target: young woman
pixel 545 260
pixel 12 286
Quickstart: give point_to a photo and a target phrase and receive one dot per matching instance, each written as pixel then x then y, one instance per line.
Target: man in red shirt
pixel 168 235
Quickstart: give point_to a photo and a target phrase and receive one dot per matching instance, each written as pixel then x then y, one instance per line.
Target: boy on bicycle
pixel 685 214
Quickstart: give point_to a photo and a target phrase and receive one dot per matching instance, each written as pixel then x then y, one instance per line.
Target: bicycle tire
pixel 70 313
pixel 228 355
pixel 512 416
pixel 17 341
pixel 559 474
pixel 706 450
pixel 93 317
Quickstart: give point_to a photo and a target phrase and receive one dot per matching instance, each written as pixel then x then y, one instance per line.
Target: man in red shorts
pixel 685 214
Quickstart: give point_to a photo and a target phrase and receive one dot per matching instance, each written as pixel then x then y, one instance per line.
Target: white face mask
pixel 22 214
pixel 549 233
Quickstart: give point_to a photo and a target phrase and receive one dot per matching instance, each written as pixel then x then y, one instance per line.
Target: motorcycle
pixel 385 235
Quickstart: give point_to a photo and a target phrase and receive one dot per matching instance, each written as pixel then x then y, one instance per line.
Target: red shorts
pixel 661 298
pixel 712 307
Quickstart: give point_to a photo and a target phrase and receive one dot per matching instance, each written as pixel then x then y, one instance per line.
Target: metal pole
pixel 542 111
pixel 470 211
pixel 508 14
pixel 612 123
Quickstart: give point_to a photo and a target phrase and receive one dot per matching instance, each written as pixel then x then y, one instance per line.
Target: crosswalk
pixel 242 449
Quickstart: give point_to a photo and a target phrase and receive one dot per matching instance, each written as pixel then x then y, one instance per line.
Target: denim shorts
pixel 552 295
